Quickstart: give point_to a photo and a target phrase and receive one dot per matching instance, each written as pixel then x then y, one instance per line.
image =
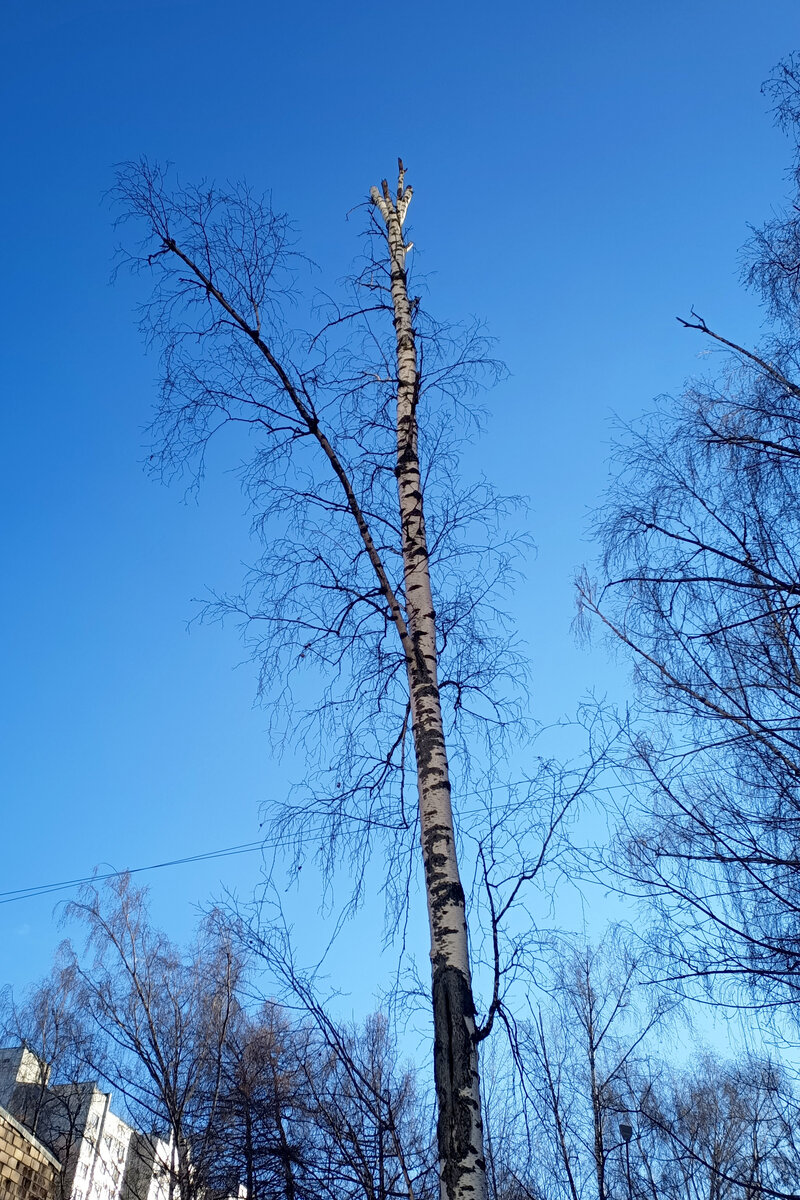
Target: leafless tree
pixel 161 1020
pixel 699 585
pixel 375 1132
pixel 263 1135
pixel 280 1099
pixel 368 1130
pixel 610 1111
pixel 715 1129
pixel 515 1164
pixel 580 1056
pixel 51 1023
pixel 379 572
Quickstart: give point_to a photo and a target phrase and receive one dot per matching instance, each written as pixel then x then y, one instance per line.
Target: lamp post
pixel 626 1133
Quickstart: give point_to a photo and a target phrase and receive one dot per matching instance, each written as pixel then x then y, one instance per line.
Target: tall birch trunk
pixel 459 1129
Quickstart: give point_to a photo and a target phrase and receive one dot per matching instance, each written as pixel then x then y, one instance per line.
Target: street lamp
pixel 626 1133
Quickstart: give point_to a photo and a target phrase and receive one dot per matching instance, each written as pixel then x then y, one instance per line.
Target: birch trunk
pixel 459 1128
pixel 460 1132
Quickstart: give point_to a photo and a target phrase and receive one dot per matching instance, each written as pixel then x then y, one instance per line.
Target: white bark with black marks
pixel 460 1130
pixel 215 259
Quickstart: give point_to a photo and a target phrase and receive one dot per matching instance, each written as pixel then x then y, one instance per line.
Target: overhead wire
pixel 27 893
pixel 263 844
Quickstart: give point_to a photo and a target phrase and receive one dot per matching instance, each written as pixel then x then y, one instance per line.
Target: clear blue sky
pixel 583 173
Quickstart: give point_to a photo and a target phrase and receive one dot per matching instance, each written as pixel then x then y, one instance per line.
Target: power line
pixel 264 844
pixel 45 889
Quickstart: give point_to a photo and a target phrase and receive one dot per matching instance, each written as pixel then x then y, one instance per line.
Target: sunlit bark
pixel 460 1132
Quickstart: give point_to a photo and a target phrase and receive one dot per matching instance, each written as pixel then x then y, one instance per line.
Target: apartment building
pixel 102 1157
pixel 28 1170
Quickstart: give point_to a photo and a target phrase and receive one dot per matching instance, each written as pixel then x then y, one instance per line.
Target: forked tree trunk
pixel 459 1129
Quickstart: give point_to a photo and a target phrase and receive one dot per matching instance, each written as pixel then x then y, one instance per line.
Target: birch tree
pixel 455 1033
pixel 699 585
pixel 582 1061
pixel 160 1020
pixel 379 571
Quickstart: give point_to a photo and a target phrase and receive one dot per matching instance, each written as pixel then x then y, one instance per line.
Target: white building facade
pixel 102 1157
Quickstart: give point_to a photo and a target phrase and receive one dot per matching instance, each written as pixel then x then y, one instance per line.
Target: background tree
pixel 369 1122
pixel 262 1135
pixel 514 1161
pixel 715 1129
pixel 374 1129
pixel 52 1023
pixel 289 1107
pixel 581 1056
pixel 161 1020
pixel 295 1105
pixel 700 585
